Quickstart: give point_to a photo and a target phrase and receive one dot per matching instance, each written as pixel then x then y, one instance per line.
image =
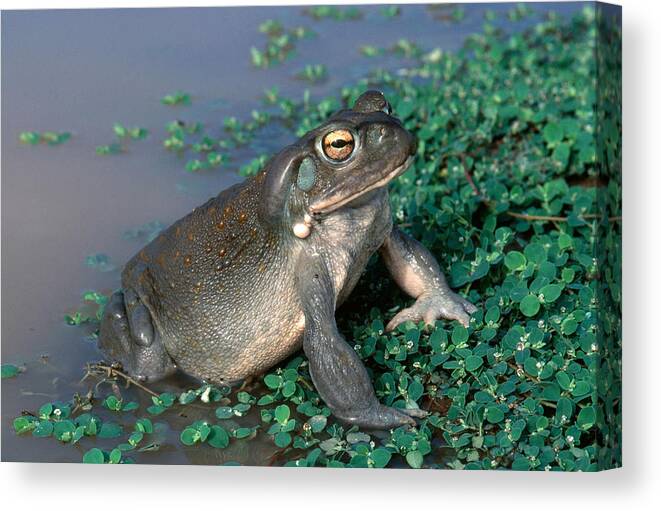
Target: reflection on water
pixel 82 71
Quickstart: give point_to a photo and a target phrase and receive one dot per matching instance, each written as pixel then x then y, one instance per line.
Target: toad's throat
pixel 333 203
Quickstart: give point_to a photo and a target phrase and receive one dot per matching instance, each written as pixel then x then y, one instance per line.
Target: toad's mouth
pixel 332 203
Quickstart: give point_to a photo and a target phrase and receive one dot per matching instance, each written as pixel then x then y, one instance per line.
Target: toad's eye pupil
pixel 339 143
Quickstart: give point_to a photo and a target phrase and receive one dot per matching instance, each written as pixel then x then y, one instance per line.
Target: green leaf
pixel 224 412
pixel 495 415
pixel 94 455
pixel 564 410
pixel 380 457
pixel 529 306
pixel 553 133
pixel 288 389
pixel 273 381
pixel 24 424
pixel 317 423
pixel 43 429
pixel 521 463
pixel 282 440
pixel 550 293
pixel 414 459
pixel 564 380
pixel 242 432
pixel 586 418
pixel 189 436
pixel 459 335
pixel 472 363
pixel 109 430
pixel 9 371
pixel 515 260
pixel 282 413
pixel 218 437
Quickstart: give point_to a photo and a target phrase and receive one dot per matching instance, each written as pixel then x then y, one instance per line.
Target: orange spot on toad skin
pixel 160 260
pixel 188 260
pixel 177 231
pixel 242 218
pixel 191 236
pixel 228 210
pixel 222 252
pixel 144 256
pixel 220 225
pixel 208 249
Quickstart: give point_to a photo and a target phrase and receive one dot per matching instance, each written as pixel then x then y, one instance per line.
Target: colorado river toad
pixel 257 272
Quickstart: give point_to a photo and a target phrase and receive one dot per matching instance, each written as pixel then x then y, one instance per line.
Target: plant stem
pixel 544 218
pixel 112 371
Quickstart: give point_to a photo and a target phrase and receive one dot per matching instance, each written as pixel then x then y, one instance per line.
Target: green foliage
pixel 313 73
pixel 503 192
pixel 390 11
pixel 176 98
pixel 123 135
pixel 134 133
pixel 191 138
pixel 89 311
pixel 10 370
pixel 51 138
pixel 280 45
pixel 319 12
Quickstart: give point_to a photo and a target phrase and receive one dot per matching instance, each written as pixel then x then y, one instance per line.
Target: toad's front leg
pixel 416 271
pixel 337 372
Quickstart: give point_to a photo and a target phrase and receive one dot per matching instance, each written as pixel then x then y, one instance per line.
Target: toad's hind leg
pixel 128 336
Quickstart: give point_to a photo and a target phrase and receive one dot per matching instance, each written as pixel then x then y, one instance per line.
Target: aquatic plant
pixel 51 138
pixel 319 12
pixel 176 98
pixel 123 135
pixel 280 45
pixel 313 73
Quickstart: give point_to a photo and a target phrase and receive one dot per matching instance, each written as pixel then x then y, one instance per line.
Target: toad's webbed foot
pixel 128 336
pixel 432 306
pixel 416 271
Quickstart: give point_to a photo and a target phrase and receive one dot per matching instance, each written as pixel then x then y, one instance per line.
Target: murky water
pixel 82 71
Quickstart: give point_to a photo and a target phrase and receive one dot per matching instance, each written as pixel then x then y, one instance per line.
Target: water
pixel 82 71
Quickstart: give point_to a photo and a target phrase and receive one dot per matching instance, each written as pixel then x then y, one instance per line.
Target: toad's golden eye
pixel 338 145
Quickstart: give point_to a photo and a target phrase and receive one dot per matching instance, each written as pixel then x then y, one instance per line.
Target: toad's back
pixel 209 282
